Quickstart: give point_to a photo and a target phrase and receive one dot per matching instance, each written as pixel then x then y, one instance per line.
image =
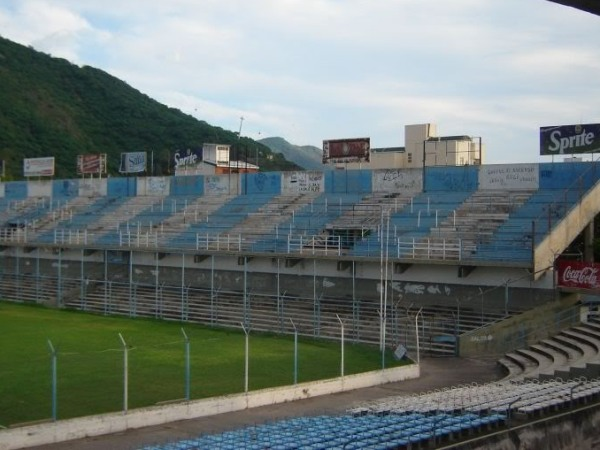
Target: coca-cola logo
pixel 584 275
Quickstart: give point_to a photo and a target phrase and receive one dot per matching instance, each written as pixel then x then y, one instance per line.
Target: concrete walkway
pixel 436 373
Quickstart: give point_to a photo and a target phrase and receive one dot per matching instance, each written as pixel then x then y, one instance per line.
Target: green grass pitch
pixel 90 362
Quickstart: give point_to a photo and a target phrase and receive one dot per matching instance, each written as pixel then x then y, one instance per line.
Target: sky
pixel 309 70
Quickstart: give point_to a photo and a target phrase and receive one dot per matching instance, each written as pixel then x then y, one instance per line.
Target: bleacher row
pixel 449 225
pixel 361 431
pixel 440 325
pixel 426 420
pixel 571 353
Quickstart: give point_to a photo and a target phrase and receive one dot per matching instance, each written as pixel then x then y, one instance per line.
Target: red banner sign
pixel 576 274
pixel 346 150
pixel 91 164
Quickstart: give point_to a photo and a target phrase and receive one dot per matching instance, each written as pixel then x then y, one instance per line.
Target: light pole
pixel 506 297
pixel 417 333
pixel 295 352
pixel 187 364
pixel 246 349
pixel 54 358
pixel 458 314
pixel 125 374
pixel 342 344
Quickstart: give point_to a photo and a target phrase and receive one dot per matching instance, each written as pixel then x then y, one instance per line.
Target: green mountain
pixel 51 107
pixel 308 157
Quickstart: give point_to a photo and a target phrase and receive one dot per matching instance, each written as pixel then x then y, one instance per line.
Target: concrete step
pixel 588 352
pixel 542 362
pixel 514 370
pixel 527 364
pixel 559 361
pixel 585 338
pixel 573 355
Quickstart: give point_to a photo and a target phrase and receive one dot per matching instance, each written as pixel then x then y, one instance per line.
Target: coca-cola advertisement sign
pixel 576 274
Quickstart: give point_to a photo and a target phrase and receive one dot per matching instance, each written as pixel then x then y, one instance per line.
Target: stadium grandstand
pixel 439 261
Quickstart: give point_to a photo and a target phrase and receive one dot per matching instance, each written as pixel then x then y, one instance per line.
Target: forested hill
pixel 51 107
pixel 307 156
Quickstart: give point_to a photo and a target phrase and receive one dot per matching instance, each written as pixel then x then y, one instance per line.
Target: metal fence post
pixel 125 374
pixel 187 365
pixel 54 361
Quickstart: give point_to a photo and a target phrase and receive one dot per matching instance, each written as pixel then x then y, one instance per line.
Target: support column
pixel 82 280
pixel 588 238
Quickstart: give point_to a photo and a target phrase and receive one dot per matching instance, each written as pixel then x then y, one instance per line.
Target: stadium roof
pixel 591 6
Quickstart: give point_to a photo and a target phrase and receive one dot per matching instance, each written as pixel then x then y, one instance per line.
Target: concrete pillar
pixel 588 239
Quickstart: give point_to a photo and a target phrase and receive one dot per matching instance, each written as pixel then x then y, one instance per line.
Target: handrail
pixel 579 184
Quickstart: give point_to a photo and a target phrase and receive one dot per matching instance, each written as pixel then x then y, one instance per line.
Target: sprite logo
pixel 561 144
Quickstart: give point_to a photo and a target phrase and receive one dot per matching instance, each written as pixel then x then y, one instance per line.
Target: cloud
pixel 318 69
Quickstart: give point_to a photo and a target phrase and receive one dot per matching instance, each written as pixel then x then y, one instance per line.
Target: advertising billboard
pixel 91 164
pixel 346 150
pixel 570 139
pixel 187 159
pixel 38 167
pixel 133 162
pixel 577 274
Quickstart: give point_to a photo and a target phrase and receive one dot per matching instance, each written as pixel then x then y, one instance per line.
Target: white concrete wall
pixel 39 188
pixel 302 182
pixel 93 187
pixel 509 176
pixel 224 184
pixel 65 430
pixel 153 186
pixel 403 181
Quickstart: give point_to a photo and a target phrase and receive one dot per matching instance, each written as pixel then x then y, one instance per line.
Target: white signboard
pixel 509 176
pixel 93 187
pixel 38 167
pixel 297 182
pixel 133 162
pixel 397 180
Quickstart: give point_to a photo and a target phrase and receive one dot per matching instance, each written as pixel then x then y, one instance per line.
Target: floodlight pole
pixel 342 345
pixel 381 319
pixel 246 349
pixel 417 333
pixel 506 298
pixel 295 352
pixel 187 364
pixel 125 373
pixel 54 358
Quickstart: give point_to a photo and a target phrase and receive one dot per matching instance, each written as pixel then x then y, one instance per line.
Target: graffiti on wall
pixel 157 186
pixel 452 180
pixel 513 176
pixel 297 182
pixel 403 288
pixel 216 185
pixel 399 180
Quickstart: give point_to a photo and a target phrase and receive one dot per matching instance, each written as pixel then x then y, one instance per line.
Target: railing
pixel 319 244
pixel 71 237
pixel 14 235
pixel 444 249
pixel 128 239
pixel 268 243
pixel 219 242
pixel 559 208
